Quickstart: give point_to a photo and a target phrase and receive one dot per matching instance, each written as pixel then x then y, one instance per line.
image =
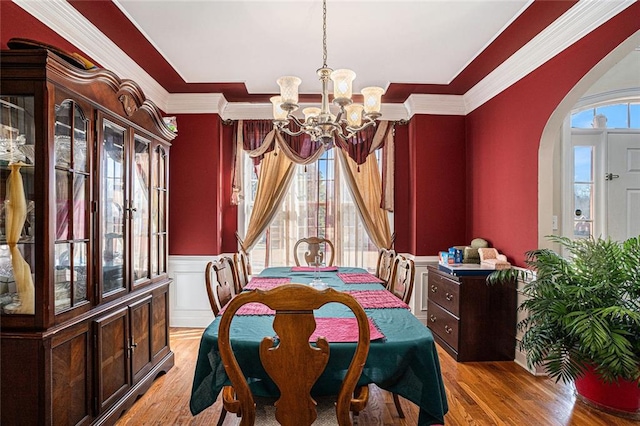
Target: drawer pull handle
pixel 432 318
pixel 447 329
pixel 434 288
pixel 448 296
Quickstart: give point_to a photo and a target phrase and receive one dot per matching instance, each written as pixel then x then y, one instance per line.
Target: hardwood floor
pixel 489 393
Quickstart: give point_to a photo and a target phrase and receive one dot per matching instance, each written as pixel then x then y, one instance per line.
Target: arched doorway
pixel 549 158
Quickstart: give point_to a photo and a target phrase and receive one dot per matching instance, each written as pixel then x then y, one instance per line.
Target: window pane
pixel 634 112
pixel 583 200
pixel 616 115
pixel 582 119
pixel 583 163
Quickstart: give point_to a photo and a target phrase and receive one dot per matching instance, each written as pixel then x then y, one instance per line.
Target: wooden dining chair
pixel 403 274
pixel 220 282
pixel 307 249
pixel 242 269
pixel 385 264
pixel 293 363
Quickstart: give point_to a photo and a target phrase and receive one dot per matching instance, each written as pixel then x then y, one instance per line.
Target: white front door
pixel 622 185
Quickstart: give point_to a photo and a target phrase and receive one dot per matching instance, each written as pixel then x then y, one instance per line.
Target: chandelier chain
pixel 324 34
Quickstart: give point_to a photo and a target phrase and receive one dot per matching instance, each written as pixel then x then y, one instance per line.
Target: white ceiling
pixel 255 42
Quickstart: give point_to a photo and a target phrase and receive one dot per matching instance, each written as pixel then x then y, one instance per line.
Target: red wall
pixel 503 137
pixel 194 216
pixel 437 183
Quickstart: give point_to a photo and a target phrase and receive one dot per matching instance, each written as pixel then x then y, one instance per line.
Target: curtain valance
pixel 258 137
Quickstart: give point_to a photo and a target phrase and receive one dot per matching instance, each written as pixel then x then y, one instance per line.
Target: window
pixel 318 204
pixel 624 115
pixel 583 191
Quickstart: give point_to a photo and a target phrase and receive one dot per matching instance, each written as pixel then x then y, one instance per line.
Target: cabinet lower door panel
pixel 160 326
pixel 113 357
pixel 70 367
pixel 141 338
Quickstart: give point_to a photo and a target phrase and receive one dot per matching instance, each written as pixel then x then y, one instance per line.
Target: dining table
pixel 402 356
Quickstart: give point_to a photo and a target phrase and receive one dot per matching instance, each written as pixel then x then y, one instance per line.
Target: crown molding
pixel 196 103
pixel 70 24
pixel 578 21
pixel 435 104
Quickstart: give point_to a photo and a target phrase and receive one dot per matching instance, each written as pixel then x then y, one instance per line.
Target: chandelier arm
pixel 291 133
pixel 295 119
pixel 352 131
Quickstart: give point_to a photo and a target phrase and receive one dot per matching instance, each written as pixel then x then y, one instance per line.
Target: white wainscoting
pixel 189 306
pixel 420 294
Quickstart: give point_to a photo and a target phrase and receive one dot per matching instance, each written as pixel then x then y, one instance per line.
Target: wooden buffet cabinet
pixel 471 320
pixel 84 289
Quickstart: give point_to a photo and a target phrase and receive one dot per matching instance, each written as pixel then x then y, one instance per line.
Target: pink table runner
pixel 266 283
pixel 313 269
pixel 253 308
pixel 372 299
pixel 358 278
pixel 342 330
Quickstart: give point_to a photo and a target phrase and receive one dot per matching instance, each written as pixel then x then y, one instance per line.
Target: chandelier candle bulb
pixel 372 99
pixel 289 91
pixel 354 114
pixel 278 113
pixel 342 86
pixel 311 114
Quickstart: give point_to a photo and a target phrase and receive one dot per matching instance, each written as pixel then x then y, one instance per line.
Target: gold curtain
pixel 276 173
pixel 16 212
pixel 365 187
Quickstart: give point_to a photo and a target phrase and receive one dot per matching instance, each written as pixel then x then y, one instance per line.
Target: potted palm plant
pixel 583 321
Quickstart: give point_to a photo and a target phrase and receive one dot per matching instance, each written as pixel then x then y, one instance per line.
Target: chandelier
pixel 319 123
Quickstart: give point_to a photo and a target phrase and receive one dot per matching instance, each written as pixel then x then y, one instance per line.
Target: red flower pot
pixel 621 396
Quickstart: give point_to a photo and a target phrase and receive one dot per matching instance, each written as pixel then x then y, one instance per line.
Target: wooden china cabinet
pixel 84 324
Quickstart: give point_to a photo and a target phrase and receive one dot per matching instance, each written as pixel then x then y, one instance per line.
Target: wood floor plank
pixel 488 393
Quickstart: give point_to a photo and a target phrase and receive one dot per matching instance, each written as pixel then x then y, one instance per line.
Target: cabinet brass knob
pixel 447 329
pixel 434 288
pixel 448 296
pixel 432 318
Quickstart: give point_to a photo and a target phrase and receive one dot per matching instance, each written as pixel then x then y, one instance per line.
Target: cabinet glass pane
pixel 140 214
pixel 62 205
pixel 79 141
pixel 80 213
pixel 80 272
pixel 62 137
pixel 113 209
pixel 62 277
pixel 17 208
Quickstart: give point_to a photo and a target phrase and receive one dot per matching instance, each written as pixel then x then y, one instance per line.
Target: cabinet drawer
pixel 443 324
pixel 445 292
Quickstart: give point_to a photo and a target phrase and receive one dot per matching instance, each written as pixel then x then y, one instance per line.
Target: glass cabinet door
pixel 140 210
pixel 113 210
pixel 158 212
pixel 72 205
pixel 17 206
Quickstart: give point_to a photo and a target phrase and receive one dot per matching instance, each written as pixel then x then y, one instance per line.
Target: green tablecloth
pixel 405 362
